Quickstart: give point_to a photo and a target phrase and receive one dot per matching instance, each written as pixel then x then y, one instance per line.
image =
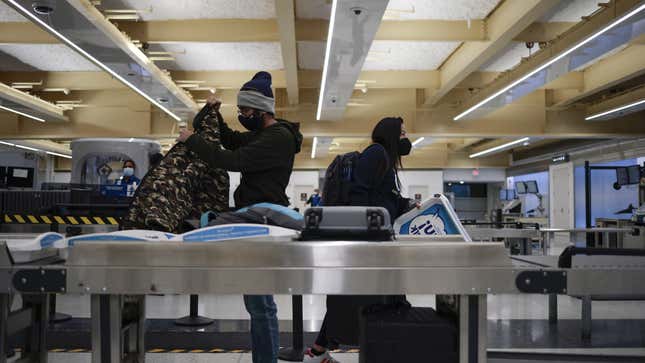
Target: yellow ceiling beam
pixel 267 30
pixel 24 32
pixel 203 30
pixel 623 99
pixel 71 80
pixel 503 25
pixel 82 80
pixel 625 65
pixel 40 107
pixel 285 12
pixel 543 32
pixel 564 42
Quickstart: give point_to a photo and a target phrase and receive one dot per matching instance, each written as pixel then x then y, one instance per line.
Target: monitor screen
pixel 634 174
pixel 3 176
pixel 19 177
pixel 520 187
pixel 531 187
pixel 622 177
pixel 507 194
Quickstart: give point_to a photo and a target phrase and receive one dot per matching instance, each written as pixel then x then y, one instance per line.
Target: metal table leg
pixel 586 317
pixel 106 328
pixel 296 352
pixel 553 308
pixel 473 339
pixel 36 336
pixel 4 319
pixel 141 330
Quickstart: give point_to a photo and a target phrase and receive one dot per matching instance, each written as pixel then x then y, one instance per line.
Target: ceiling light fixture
pixel 22 113
pixel 614 110
pixel 57 154
pixel 327 60
pixel 90 57
pixel 418 141
pixel 34 149
pixel 545 65
pixel 313 147
pixel 499 148
pixel 26 147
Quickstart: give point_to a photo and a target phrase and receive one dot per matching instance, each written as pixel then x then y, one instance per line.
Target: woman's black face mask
pixel 405 146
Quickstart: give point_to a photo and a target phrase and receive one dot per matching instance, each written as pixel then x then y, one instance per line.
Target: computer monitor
pixel 19 177
pixel 531 187
pixel 634 174
pixel 622 176
pixel 520 188
pixel 507 194
pixel 3 176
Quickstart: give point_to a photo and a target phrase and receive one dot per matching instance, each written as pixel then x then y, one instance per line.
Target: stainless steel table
pixel 119 274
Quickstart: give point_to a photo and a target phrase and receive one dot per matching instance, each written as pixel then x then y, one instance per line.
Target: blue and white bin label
pixel 432 221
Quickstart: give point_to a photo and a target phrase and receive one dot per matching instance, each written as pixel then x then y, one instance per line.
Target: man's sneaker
pixel 310 357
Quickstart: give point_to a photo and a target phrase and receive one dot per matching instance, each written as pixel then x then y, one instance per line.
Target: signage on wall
pixel 560 158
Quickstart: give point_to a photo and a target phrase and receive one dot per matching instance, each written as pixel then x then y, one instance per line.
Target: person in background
pixel 375 182
pixel 128 177
pixel 264 155
pixel 315 199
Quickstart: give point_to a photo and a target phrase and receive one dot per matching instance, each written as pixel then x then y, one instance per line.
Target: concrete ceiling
pixel 429 59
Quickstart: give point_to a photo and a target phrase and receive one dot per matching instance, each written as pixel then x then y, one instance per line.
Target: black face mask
pixel 252 123
pixel 405 146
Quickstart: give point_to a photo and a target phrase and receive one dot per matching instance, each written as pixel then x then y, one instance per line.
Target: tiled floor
pixel 246 358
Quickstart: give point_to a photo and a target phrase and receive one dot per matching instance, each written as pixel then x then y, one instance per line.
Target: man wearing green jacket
pixel 264 155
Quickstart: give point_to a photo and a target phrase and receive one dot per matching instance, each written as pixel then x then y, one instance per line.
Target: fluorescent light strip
pixel 26 147
pixel 569 51
pixel 96 61
pixel 330 34
pixel 313 148
pixel 418 141
pixel 500 147
pixel 22 114
pixel 617 109
pixel 57 154
pixel 34 149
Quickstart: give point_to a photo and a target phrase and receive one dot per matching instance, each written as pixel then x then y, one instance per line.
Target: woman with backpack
pixel 374 183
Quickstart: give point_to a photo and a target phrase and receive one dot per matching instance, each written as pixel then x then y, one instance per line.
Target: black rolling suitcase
pixel 394 334
pixel 349 223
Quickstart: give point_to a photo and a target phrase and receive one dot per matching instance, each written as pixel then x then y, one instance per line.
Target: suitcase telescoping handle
pixel 313 216
pixel 375 219
pixel 564 261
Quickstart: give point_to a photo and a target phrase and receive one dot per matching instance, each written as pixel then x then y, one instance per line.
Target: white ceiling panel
pixel 7 14
pixel 198 56
pixel 385 55
pixel 572 10
pixel 409 9
pixel 48 57
pixel 196 9
pixel 508 58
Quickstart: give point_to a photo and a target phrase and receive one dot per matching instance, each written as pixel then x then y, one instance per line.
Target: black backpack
pixel 338 179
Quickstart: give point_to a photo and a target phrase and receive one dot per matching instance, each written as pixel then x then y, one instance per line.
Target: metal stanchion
pixel 193 318
pixel 296 352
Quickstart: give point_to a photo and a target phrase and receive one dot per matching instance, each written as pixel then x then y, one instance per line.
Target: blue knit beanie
pixel 257 93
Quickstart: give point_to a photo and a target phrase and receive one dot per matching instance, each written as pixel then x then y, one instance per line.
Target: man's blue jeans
pixel 265 336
